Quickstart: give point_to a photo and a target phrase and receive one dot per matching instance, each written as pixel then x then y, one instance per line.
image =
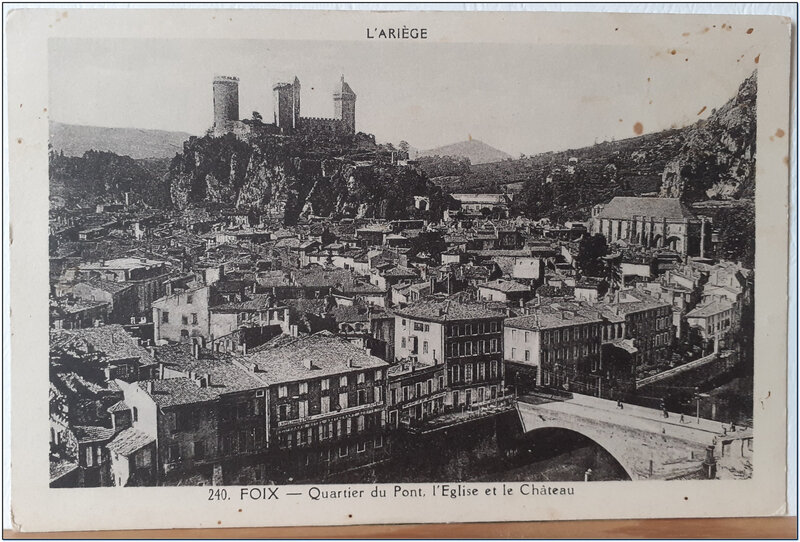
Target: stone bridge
pixel 644 443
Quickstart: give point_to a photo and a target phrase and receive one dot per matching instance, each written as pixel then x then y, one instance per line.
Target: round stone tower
pixel 226 103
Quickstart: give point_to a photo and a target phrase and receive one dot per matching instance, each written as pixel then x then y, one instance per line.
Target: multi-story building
pixel 416 392
pixel 466 338
pixel 639 324
pixel 554 345
pixel 325 401
pixel 148 277
pixel 184 315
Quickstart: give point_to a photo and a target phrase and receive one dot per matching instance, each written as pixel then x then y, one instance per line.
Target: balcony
pixel 298 423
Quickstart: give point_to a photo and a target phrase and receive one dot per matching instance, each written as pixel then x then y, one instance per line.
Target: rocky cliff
pixel 717 158
pixel 289 178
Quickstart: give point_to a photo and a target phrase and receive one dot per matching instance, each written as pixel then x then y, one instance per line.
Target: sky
pixel 519 98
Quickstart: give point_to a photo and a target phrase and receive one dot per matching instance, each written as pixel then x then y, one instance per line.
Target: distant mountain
pixel 137 143
pixel 476 151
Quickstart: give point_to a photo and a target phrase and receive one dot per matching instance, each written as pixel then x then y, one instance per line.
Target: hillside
pixel 713 158
pixel 105 177
pixel 289 178
pixel 477 152
pixel 75 140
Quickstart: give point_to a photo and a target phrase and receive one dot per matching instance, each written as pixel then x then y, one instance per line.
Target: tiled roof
pixel 112 340
pixel 553 317
pixel 657 208
pixel 106 285
pixel 92 433
pixel 129 441
pixel 119 406
pixel 60 468
pixel 710 309
pixel 257 302
pixel 443 309
pixel 505 286
pixel 329 354
pixel 399 271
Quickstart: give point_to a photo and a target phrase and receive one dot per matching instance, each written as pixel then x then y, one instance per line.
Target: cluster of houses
pixel 207 347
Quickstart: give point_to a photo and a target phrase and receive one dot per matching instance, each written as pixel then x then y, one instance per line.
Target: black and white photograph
pixel 396 266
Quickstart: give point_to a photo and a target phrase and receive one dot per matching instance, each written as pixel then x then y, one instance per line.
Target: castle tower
pixel 344 103
pixel 226 103
pixel 284 106
pixel 296 103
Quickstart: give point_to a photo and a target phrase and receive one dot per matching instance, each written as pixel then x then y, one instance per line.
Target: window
pixel 361 447
pixel 378 443
pixel 283 412
pixel 468 372
pixel 343 381
pixel 418 389
pixel 165 317
pixel 378 374
pixel 173 453
pixel 360 423
pixel 494 326
pixel 427 327
pixel 283 391
pixel 184 320
pixel 513 353
pixel 303 388
pixel 493 345
pixel 424 347
pixel 392 396
pixel 361 378
pixel 482 371
pixel 403 322
pixel 403 342
pixel 526 336
pixel 189 298
pixel 325 384
pixel 513 333
pixel 527 355
pixel 418 326
pixel 135 414
pixel 325 404
pixel 199 449
pixel 343 450
pixel 194 318
pixel 493 369
pixel 406 393
pixel 343 400
pixel 302 409
pixel 469 329
pixel 441 382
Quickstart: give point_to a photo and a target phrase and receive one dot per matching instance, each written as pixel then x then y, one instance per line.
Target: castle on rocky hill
pixel 287 119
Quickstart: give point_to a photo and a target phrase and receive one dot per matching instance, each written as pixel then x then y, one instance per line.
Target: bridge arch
pixel 613 449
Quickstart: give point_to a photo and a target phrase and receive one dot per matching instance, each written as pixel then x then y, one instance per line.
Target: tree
pixel 613 271
pixel 590 249
pixel 403 146
pixel 737 235
pixel 257 116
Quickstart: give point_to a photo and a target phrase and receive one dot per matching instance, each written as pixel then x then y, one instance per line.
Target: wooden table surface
pixel 775 527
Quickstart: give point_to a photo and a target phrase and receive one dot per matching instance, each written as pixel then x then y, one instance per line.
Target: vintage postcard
pixel 279 268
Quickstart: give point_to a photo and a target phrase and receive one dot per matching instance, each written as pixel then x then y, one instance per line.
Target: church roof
pixel 658 208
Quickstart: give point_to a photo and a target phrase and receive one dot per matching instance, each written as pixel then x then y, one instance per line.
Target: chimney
pixel 160 371
pixel 168 288
pixel 149 386
pixel 195 350
pixel 293 330
pixel 253 366
pixel 208 379
pixel 350 363
pixel 368 351
pixel 308 363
